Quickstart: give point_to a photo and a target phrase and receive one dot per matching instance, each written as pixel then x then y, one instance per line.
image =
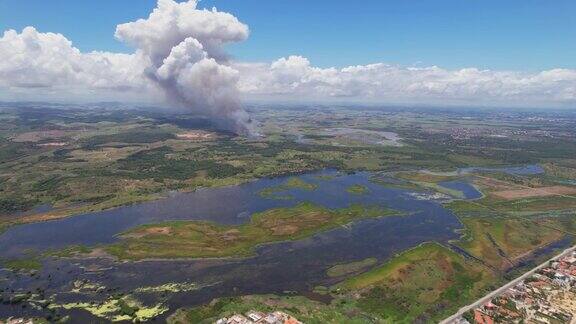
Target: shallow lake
pixel 276 268
pixel 229 205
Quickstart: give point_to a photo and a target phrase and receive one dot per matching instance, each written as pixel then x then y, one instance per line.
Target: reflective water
pixel 230 205
pixel 288 266
pixel 276 268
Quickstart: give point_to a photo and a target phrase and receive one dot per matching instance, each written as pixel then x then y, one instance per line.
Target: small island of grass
pixel 345 269
pixel 22 264
pixel 197 239
pixel 298 183
pixel 358 189
pixel 291 183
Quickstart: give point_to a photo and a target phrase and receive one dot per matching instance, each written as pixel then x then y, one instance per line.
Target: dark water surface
pixel 289 266
pixel 229 205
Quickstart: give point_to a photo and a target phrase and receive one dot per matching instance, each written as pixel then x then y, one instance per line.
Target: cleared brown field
pixel 535 192
pixel 495 184
pixel 39 136
pixel 53 144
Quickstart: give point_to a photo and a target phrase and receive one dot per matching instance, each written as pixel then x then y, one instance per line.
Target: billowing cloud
pixel 180 56
pixel 184 47
pixel 171 23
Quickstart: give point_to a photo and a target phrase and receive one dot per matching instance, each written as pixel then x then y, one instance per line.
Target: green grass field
pixel 501 238
pixel 204 239
pixel 424 284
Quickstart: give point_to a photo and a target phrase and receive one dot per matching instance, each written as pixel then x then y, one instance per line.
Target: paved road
pixel 483 300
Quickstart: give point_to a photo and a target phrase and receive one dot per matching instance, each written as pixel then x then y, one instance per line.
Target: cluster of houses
pixel 434 196
pixel 254 317
pixel 12 320
pixel 468 133
pixel 548 296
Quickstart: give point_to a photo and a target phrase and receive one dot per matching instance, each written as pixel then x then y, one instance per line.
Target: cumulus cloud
pixel 179 55
pixel 295 75
pixel 31 59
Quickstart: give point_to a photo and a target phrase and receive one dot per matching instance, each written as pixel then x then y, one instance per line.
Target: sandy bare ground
pixel 196 136
pixel 53 144
pixel 495 185
pixel 149 231
pixel 39 135
pixel 535 192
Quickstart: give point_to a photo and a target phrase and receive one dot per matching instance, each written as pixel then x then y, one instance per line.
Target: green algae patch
pixel 106 309
pixel 148 313
pixel 86 286
pixel 172 287
pixel 198 239
pixel 118 309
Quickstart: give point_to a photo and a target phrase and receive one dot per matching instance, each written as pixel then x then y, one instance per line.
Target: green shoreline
pixel 71 211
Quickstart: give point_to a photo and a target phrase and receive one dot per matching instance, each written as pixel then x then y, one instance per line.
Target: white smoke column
pixel 183 45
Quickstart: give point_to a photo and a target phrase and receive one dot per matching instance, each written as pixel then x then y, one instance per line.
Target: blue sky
pixel 523 35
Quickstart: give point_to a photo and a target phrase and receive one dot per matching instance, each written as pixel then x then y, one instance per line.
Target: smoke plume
pixel 183 47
